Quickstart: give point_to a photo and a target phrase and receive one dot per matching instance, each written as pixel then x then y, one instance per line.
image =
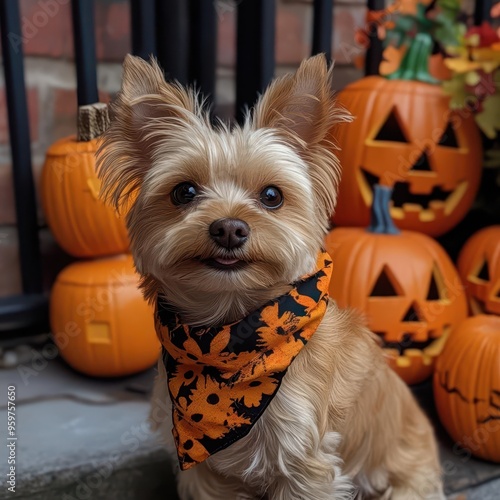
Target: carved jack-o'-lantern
pixel 407 288
pixel 467 386
pixel 406 137
pixel 479 267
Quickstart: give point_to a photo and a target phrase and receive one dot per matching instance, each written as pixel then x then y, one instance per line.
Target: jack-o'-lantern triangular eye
pixel 391 130
pixel 386 285
pixel 484 272
pixel 422 164
pixel 411 315
pixel 437 288
pixel 449 138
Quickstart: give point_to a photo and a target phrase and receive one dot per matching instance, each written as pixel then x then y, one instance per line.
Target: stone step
pixel 81 438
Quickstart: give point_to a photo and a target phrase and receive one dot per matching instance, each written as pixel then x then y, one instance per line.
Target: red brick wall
pixel 50 79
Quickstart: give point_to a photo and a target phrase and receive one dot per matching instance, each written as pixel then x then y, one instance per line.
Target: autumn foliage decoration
pixel 474 85
pixel 404 284
pixel 474 88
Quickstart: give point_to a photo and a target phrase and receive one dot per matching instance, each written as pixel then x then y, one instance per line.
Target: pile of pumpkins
pixel 99 319
pixel 432 318
pixel 405 141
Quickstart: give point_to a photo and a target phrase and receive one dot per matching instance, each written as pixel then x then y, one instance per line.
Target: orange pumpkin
pixel 100 321
pixel 406 137
pixel 404 284
pixel 479 267
pixel 467 386
pixel 80 222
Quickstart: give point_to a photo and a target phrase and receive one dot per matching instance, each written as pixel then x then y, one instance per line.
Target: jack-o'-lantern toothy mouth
pixel 404 201
pixel 407 341
pixel 427 350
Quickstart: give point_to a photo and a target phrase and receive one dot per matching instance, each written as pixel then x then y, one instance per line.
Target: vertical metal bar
pixel 84 43
pixel 482 11
pixel 172 38
pixel 203 46
pixel 322 28
pixel 27 227
pixel 255 51
pixel 142 14
pixel 374 52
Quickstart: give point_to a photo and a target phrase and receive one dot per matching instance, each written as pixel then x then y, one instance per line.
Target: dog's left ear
pixel 302 107
pixel 145 112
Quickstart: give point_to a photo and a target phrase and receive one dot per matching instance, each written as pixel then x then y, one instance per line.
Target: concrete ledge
pixel 147 477
pixel 88 439
pixel 73 451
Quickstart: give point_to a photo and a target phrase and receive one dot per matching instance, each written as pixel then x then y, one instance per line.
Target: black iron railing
pixel 182 34
pixel 21 313
pixel 84 46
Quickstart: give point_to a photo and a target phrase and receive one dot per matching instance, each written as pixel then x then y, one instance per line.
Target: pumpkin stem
pixel 382 222
pixel 93 120
pixel 415 64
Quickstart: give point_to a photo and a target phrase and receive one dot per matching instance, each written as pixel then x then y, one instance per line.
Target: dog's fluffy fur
pixel 342 424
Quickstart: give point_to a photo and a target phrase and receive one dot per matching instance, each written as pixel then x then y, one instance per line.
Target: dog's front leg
pixel 286 456
pixel 285 460
pixel 300 447
pixel 312 476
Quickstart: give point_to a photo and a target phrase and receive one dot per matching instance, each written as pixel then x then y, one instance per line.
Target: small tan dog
pixel 222 222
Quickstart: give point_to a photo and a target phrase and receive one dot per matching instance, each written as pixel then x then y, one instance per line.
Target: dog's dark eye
pixel 271 197
pixel 184 193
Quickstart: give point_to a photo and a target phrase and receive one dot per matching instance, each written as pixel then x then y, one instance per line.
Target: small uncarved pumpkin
pixel 467 386
pixel 407 288
pixel 100 321
pixel 80 222
pixel 405 136
pixel 479 267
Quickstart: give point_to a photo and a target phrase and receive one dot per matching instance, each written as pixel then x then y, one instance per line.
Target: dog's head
pixel 218 209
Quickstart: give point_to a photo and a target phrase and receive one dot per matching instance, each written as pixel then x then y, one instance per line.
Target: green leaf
pixel 489 119
pixel 448 31
pixel 455 88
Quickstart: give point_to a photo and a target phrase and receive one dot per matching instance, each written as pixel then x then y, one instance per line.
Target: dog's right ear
pixel 146 110
pixel 302 108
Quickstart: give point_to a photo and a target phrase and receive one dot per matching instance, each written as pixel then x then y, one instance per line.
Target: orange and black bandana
pixel 221 379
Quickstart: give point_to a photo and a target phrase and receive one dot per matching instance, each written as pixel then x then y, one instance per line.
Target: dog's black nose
pixel 229 233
